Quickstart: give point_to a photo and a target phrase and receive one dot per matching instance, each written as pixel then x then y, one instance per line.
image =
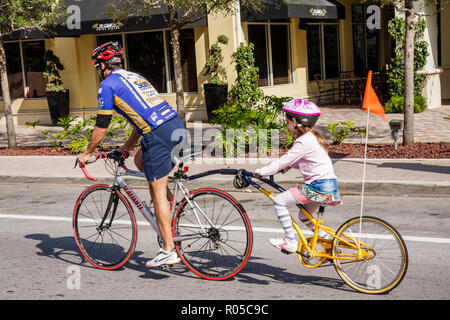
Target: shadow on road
pixel 416 167
pixel 254 272
pixel 66 249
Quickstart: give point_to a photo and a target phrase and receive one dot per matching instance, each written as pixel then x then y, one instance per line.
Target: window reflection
pixel 323 50
pixel 146 56
pixel 188 68
pixel 280 53
pixel 34 67
pixel 14 69
pixel 32 58
pixel 271 52
pixel 366 43
pixel 257 36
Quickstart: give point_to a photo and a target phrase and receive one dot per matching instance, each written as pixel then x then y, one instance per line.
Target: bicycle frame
pixel 318 224
pixel 310 248
pixel 120 183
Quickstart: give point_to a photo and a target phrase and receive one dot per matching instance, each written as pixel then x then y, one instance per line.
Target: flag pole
pixel 364 173
pixel 370 100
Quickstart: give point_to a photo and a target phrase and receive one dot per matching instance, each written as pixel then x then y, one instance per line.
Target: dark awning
pixel 304 9
pixel 94 20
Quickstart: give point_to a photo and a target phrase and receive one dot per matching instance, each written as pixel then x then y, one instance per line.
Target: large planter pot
pixel 215 96
pixel 58 104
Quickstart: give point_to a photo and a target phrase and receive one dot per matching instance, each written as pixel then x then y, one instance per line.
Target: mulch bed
pixel 419 150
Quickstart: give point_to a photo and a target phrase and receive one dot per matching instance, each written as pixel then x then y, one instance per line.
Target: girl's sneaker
pixel 285 244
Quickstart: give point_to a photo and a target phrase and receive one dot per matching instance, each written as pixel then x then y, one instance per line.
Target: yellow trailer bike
pixel 368 253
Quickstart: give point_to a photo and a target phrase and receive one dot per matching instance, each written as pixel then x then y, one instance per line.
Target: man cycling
pixel 132 96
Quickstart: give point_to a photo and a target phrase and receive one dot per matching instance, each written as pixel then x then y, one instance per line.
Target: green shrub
pixel 395 104
pixel 76 134
pixel 249 116
pixel 340 131
pixel 213 69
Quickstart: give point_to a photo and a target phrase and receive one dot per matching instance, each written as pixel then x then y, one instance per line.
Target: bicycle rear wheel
pixel 220 234
pixel 385 265
pixel 105 227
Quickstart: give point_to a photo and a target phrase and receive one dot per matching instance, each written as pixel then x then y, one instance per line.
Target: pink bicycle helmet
pixel 305 111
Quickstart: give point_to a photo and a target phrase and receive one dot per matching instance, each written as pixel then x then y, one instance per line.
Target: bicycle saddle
pixel 181 154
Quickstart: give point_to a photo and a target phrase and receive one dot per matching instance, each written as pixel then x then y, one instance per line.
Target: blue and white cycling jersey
pixel 134 97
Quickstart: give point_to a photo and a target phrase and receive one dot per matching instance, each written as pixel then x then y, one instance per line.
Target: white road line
pixel 255 229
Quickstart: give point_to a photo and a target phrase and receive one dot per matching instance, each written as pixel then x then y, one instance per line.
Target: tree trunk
pixel 12 142
pixel 175 42
pixel 408 108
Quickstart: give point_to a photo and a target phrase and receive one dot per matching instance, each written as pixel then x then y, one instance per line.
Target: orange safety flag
pixel 370 101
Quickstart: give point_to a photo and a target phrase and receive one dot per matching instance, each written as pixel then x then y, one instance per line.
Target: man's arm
pixel 104 116
pixel 97 136
pixel 131 141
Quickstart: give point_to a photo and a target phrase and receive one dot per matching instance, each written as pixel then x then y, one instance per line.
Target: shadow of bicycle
pixel 256 271
pixel 66 249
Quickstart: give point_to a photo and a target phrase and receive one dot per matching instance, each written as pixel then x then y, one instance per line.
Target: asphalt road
pixel 39 255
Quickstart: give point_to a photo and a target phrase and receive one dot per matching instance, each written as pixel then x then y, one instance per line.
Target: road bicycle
pixel 211 230
pixel 368 253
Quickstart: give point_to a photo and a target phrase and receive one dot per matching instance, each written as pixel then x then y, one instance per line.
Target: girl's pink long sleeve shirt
pixel 306 155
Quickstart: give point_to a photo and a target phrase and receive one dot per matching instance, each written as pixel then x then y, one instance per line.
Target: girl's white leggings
pixel 281 204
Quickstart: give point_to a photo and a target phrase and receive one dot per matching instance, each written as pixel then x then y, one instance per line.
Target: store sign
pixel 318 12
pixel 107 26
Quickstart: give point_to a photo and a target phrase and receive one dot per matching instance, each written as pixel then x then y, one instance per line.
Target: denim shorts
pixel 324 185
pixel 157 148
pixel 324 191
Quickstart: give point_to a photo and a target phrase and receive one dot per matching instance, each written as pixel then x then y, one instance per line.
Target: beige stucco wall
pixel 82 80
pixel 80 77
pixel 445 53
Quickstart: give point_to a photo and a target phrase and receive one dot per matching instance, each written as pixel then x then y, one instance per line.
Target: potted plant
pixel 57 95
pixel 216 91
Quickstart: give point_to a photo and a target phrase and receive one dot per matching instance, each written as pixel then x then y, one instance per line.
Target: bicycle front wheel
pixel 218 235
pixel 105 227
pixel 372 256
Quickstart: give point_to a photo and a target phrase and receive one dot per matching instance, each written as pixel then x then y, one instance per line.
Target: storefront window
pixel 110 37
pixel 34 67
pixel 272 52
pixel 366 42
pixel 150 54
pixel 257 36
pixel 187 49
pixel 145 53
pixel 32 58
pixel 323 50
pixel 280 53
pixel 14 69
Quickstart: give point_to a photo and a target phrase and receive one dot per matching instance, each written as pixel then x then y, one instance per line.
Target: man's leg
pixel 140 166
pixel 158 192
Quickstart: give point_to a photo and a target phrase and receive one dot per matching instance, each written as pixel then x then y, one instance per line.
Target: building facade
pixel 298 45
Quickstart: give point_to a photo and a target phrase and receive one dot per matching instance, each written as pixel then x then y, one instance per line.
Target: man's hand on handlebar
pixel 83 158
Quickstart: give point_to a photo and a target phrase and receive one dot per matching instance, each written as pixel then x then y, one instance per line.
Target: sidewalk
pixel 383 177
pixel 429 126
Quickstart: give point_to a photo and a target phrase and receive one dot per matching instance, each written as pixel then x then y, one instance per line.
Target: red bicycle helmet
pixel 109 53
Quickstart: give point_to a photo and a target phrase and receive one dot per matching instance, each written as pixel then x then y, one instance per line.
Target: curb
pixel 347 187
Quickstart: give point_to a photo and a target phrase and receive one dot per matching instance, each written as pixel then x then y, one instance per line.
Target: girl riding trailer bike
pixel 309 155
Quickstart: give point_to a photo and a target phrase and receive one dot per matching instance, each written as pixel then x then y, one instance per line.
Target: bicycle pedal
pixel 286 252
pixel 165 266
